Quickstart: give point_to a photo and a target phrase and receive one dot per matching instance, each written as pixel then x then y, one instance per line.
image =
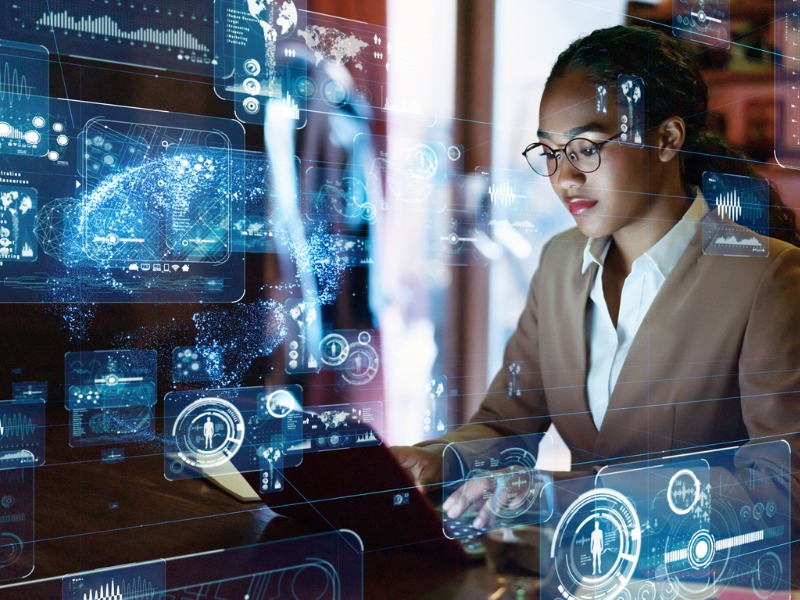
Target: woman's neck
pixel 633 241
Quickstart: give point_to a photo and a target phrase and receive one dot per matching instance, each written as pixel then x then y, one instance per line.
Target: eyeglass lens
pixel 583 154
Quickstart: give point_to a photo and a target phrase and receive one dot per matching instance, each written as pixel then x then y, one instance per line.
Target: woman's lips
pixel 579 206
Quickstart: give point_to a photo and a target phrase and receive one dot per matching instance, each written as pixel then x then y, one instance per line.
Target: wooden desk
pixel 91 515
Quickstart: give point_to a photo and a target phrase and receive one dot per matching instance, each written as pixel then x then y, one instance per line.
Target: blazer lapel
pixel 574 336
pixel 632 408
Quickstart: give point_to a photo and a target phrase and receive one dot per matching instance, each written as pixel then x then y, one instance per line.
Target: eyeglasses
pixel 582 154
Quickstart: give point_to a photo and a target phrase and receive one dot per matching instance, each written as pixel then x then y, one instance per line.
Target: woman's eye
pixel 549 155
pixel 589 151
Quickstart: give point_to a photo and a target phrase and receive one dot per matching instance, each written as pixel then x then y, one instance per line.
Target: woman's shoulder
pixel 756 251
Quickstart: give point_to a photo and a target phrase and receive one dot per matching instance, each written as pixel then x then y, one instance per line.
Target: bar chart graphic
pixel 174 35
pixel 108 27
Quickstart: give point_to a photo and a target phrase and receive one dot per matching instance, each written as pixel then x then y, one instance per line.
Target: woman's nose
pixel 567 176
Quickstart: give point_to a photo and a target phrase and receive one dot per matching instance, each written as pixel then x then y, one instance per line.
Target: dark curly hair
pixel 674 86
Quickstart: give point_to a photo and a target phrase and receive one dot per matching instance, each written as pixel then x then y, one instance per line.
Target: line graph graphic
pixel 13 85
pixel 22 429
pixel 24 104
pixel 17 426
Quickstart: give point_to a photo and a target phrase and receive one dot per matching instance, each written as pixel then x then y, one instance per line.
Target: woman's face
pixel 623 194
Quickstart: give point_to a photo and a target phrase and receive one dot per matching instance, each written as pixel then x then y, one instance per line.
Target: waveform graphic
pixel 682 492
pixel 139 589
pixel 16 425
pixel 503 194
pixel 729 204
pixel 13 86
pixel 106 26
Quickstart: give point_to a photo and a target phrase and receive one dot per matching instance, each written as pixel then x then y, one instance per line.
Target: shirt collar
pixel 666 252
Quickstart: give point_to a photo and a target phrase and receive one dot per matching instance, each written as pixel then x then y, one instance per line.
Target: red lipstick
pixel 579 206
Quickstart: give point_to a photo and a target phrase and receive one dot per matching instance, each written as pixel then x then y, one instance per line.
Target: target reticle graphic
pixel 208 432
pixel 515 484
pixel 590 565
pixel 280 403
pixel 362 362
pixel 768 578
pixel 413 176
pixel 334 349
pixel 11 549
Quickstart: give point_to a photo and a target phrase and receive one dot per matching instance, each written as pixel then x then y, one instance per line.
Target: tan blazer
pixel 716 361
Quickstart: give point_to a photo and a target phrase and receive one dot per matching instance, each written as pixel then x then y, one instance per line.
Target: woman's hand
pixel 423 463
pixel 503 493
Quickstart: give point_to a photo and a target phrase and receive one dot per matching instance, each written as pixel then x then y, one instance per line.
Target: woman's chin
pixel 591 227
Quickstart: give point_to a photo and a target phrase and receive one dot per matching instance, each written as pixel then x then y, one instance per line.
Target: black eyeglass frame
pixel 563 150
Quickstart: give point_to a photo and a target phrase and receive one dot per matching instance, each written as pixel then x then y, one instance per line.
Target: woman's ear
pixel 671 137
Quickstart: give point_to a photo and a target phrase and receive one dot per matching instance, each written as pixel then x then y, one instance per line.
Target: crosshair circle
pixel 334 349
pixel 280 403
pixel 583 572
pixel 11 547
pixel 208 432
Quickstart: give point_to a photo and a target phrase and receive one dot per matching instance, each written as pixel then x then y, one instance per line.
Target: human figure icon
pixel 596 547
pixel 208 432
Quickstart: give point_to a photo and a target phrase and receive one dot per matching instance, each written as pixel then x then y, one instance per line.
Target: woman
pixel 636 339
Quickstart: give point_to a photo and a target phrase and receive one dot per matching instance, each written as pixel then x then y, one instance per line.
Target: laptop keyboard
pixel 461 529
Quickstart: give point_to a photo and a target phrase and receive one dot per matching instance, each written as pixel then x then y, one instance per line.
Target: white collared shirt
pixel 609 346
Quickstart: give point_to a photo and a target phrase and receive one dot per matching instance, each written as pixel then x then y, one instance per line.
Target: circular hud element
pixel 596 545
pixel 208 432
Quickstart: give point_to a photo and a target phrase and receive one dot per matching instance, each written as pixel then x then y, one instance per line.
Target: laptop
pixel 365 490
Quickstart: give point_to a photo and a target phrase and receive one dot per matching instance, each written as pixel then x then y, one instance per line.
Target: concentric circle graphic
pixel 362 362
pixel 596 545
pixel 11 547
pixel 280 403
pixel 515 484
pixel 701 549
pixel 334 349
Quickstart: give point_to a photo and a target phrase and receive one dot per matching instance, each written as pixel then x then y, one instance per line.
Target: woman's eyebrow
pixel 593 126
